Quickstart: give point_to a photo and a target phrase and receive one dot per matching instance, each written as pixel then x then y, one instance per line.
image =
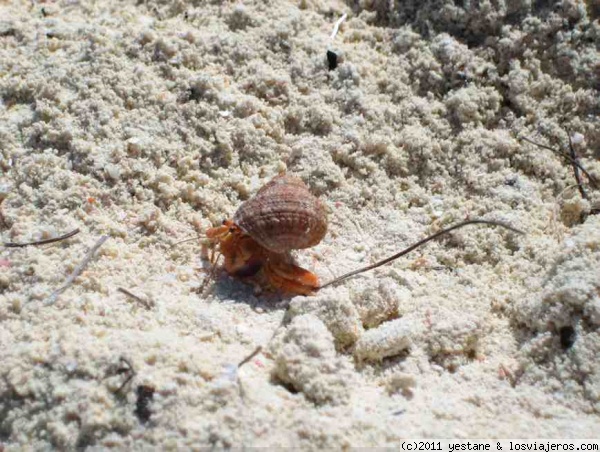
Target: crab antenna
pixel 198 237
pixel 415 246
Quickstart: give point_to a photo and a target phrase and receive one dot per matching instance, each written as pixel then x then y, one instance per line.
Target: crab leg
pixel 290 278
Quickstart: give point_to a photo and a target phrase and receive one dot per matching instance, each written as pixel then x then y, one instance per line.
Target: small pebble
pixel 145 394
pixel 567 337
pixel 332 60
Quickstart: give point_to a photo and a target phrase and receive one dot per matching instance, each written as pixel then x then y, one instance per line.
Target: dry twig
pixel 417 245
pixel 336 27
pixel 574 164
pixel 126 370
pixel 137 298
pixel 78 270
pixel 256 351
pixel 571 158
pixel 42 242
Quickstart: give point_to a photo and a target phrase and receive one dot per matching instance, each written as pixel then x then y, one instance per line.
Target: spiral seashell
pixel 283 216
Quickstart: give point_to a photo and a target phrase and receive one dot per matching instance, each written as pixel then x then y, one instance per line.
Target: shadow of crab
pixel 227 289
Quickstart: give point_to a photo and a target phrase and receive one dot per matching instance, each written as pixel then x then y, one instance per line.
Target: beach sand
pixel 148 122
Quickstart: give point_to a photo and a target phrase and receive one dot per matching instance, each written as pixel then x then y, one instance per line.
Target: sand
pixel 149 122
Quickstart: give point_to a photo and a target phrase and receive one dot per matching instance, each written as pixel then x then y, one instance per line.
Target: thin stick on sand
pixel 568 157
pixel 574 164
pixel 256 351
pixel 78 270
pixel 42 242
pixel 336 27
pixel 135 297
pixel 415 246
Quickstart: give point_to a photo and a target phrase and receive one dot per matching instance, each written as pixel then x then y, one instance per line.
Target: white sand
pixel 151 121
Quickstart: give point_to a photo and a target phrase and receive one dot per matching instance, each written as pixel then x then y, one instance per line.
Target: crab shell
pixel 283 216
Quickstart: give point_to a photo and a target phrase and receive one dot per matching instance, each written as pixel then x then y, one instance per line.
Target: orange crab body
pixel 257 243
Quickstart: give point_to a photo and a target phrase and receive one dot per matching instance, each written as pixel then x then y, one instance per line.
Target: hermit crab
pixel 284 216
pixel 281 217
